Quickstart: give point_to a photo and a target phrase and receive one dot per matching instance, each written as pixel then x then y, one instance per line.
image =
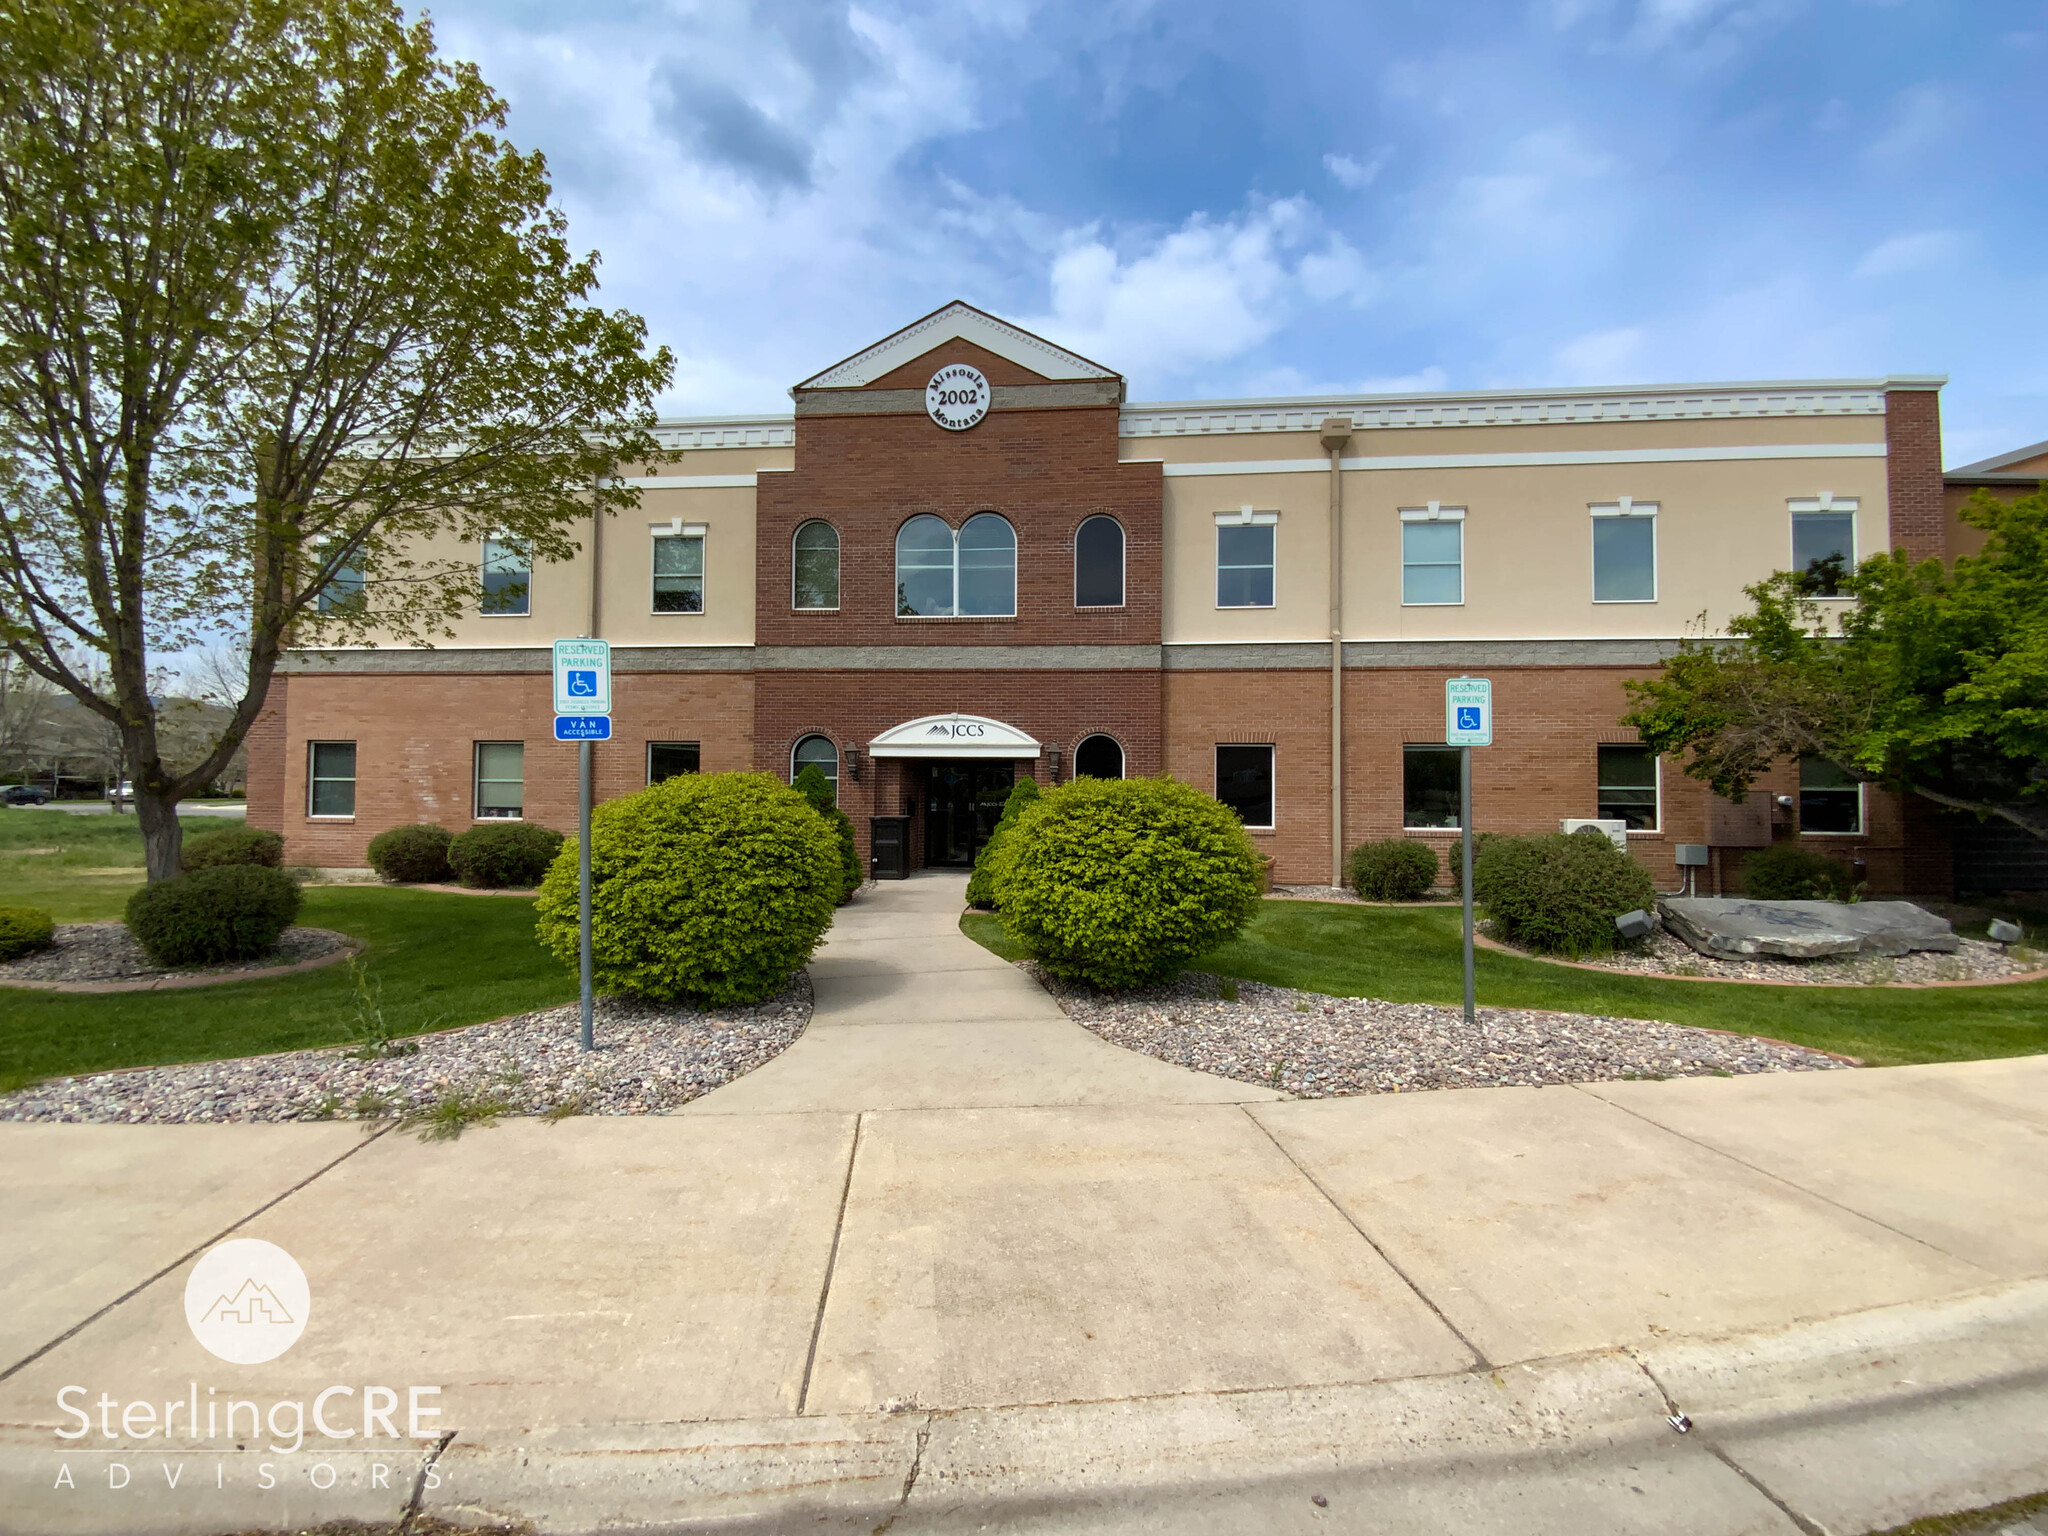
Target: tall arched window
pixel 814 578
pixel 818 752
pixel 1099 757
pixel 943 575
pixel 1099 563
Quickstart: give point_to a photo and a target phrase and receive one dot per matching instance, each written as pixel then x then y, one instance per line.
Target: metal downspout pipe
pixel 1335 434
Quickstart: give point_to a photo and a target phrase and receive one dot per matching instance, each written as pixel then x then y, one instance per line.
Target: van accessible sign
pixel 1468 711
pixel 583 677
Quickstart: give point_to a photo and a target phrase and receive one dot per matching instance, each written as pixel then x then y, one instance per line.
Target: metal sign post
pixel 1468 723
pixel 583 707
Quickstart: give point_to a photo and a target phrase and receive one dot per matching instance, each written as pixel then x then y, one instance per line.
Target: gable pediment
pixel 958 322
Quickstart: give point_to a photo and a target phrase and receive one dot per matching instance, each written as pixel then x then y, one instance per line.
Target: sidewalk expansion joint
pixel 185 1258
pixel 1806 1526
pixel 803 1396
pixel 1480 1362
pixel 419 1485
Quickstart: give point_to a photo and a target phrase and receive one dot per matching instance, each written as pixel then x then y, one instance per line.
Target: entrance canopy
pixel 953 736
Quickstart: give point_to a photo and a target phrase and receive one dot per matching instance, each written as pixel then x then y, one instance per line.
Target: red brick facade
pixel 1915 490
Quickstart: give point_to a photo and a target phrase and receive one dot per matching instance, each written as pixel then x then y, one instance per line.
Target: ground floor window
pixel 1429 787
pixel 816 752
pixel 668 759
pixel 1829 799
pixel 1099 757
pixel 500 780
pixel 1244 782
pixel 1628 786
pixel 331 779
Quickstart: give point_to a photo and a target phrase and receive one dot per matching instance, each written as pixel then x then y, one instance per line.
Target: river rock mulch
pixel 651 1057
pixel 1319 1047
pixel 109 952
pixel 1663 953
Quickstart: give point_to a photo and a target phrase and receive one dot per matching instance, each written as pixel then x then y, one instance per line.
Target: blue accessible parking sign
pixel 583 727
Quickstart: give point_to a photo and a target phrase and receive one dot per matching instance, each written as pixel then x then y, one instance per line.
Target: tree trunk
pixel 163 840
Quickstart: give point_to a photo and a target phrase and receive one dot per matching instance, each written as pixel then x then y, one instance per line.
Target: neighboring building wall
pixel 1912 434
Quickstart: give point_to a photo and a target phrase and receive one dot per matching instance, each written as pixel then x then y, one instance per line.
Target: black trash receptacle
pixel 889 847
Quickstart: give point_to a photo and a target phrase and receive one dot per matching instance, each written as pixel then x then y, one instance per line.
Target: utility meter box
pixel 1616 830
pixel 1691 855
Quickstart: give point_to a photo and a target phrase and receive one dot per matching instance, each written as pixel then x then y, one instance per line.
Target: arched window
pixel 942 575
pixel 814 581
pixel 1099 757
pixel 816 752
pixel 1099 563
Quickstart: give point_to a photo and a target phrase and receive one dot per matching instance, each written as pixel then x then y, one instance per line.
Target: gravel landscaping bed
pixel 108 952
pixel 1663 953
pixel 650 1057
pixel 1320 1047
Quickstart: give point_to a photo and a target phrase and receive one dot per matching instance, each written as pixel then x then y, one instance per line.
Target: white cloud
pixel 1922 117
pixel 1903 254
pixel 1357 175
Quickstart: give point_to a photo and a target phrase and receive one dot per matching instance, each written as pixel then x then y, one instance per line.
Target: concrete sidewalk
pixel 952 1263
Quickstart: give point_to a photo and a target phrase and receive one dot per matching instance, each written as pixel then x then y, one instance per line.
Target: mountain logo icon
pixel 246 1300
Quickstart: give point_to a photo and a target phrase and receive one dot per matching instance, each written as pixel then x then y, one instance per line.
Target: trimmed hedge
pixel 504 855
pixel 711 888
pixel 232 912
pixel 1393 869
pixel 233 845
pixel 1122 882
pixel 24 930
pixel 1559 894
pixel 415 855
pixel 1788 872
pixel 981 885
pixel 816 788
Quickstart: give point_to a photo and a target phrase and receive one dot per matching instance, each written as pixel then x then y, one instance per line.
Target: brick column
pixel 263 783
pixel 1912 437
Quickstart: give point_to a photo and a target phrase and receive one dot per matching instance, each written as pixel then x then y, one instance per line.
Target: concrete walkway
pixel 951 1263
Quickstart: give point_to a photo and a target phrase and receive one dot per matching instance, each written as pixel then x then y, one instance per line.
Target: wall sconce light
pixel 1052 757
pixel 852 756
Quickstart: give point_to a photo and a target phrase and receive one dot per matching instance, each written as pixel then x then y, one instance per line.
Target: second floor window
pixel 1099 564
pixel 1625 552
pixel 1432 556
pixel 1823 543
pixel 508 578
pixel 972 574
pixel 815 579
pixel 679 572
pixel 1244 559
pixel 343 592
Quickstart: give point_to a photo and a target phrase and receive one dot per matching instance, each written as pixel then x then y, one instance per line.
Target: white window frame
pixel 1656 785
pixel 837 757
pixel 838 562
pixel 1862 814
pixel 483 569
pixel 313 779
pixel 1433 512
pixel 1246 517
pixel 647 758
pixel 1826 501
pixel 1272 750
pixel 1624 507
pixel 954 613
pixel 1123 571
pixel 476 781
pixel 678 529
pixel 356 569
pixel 1426 746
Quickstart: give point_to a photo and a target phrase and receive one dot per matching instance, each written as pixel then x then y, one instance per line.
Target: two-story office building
pixel 965 556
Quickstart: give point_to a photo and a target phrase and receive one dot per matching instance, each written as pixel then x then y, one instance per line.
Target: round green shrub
pixel 233 845
pixel 1559 894
pixel 711 888
pixel 1121 882
pixel 1787 872
pixel 415 855
pixel 1393 869
pixel 1454 860
pixel 981 885
pixel 504 855
pixel 231 912
pixel 816 788
pixel 24 930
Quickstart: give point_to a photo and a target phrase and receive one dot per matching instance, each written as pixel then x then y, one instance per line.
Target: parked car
pixel 122 792
pixel 24 794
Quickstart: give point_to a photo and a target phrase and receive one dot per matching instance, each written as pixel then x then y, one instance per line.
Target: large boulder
pixel 1733 928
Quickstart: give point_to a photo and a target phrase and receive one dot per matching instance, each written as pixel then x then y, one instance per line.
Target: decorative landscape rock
pixel 1729 927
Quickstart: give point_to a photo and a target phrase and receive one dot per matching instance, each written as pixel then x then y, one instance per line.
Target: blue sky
pixel 1235 199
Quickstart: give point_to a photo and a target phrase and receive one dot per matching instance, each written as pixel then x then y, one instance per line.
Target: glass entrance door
pixel 962 802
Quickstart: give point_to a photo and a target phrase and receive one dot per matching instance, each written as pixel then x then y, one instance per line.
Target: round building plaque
pixel 957 397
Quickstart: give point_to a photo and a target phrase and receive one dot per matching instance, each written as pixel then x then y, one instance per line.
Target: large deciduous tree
pixel 1932 679
pixel 286 329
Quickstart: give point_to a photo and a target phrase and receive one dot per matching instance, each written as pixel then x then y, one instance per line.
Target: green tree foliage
pixel 712 888
pixel 1933 680
pixel 1787 872
pixel 1122 882
pixel 816 788
pixel 981 885
pixel 281 314
pixel 1559 893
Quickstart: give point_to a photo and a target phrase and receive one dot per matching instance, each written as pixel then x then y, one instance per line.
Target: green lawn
pixel 79 869
pixel 1412 954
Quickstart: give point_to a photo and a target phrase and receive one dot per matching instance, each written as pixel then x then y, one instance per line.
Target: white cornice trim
pixel 683 432
pixel 687 482
pixel 1392 461
pixel 957 321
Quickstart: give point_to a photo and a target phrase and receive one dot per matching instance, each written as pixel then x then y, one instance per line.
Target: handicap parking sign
pixel 582 683
pixel 1468 714
pixel 583 677
pixel 1468 711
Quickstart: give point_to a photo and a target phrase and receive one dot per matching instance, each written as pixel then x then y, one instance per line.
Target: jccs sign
pixel 956 731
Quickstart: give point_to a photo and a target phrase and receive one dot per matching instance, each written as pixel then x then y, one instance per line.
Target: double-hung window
pixel 1628 785
pixel 679 569
pixel 1244 558
pixel 1829 799
pixel 1823 542
pixel 1432 556
pixel 1625 551
pixel 331 779
pixel 507 578
pixel 343 590
pixel 500 780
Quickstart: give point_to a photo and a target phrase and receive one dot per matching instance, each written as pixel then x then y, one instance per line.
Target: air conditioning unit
pixel 1616 830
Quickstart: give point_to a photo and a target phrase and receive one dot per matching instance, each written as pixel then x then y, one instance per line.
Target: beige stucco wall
pixel 727 513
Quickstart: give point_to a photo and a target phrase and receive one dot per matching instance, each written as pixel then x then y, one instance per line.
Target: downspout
pixel 1336 433
pixel 596 563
